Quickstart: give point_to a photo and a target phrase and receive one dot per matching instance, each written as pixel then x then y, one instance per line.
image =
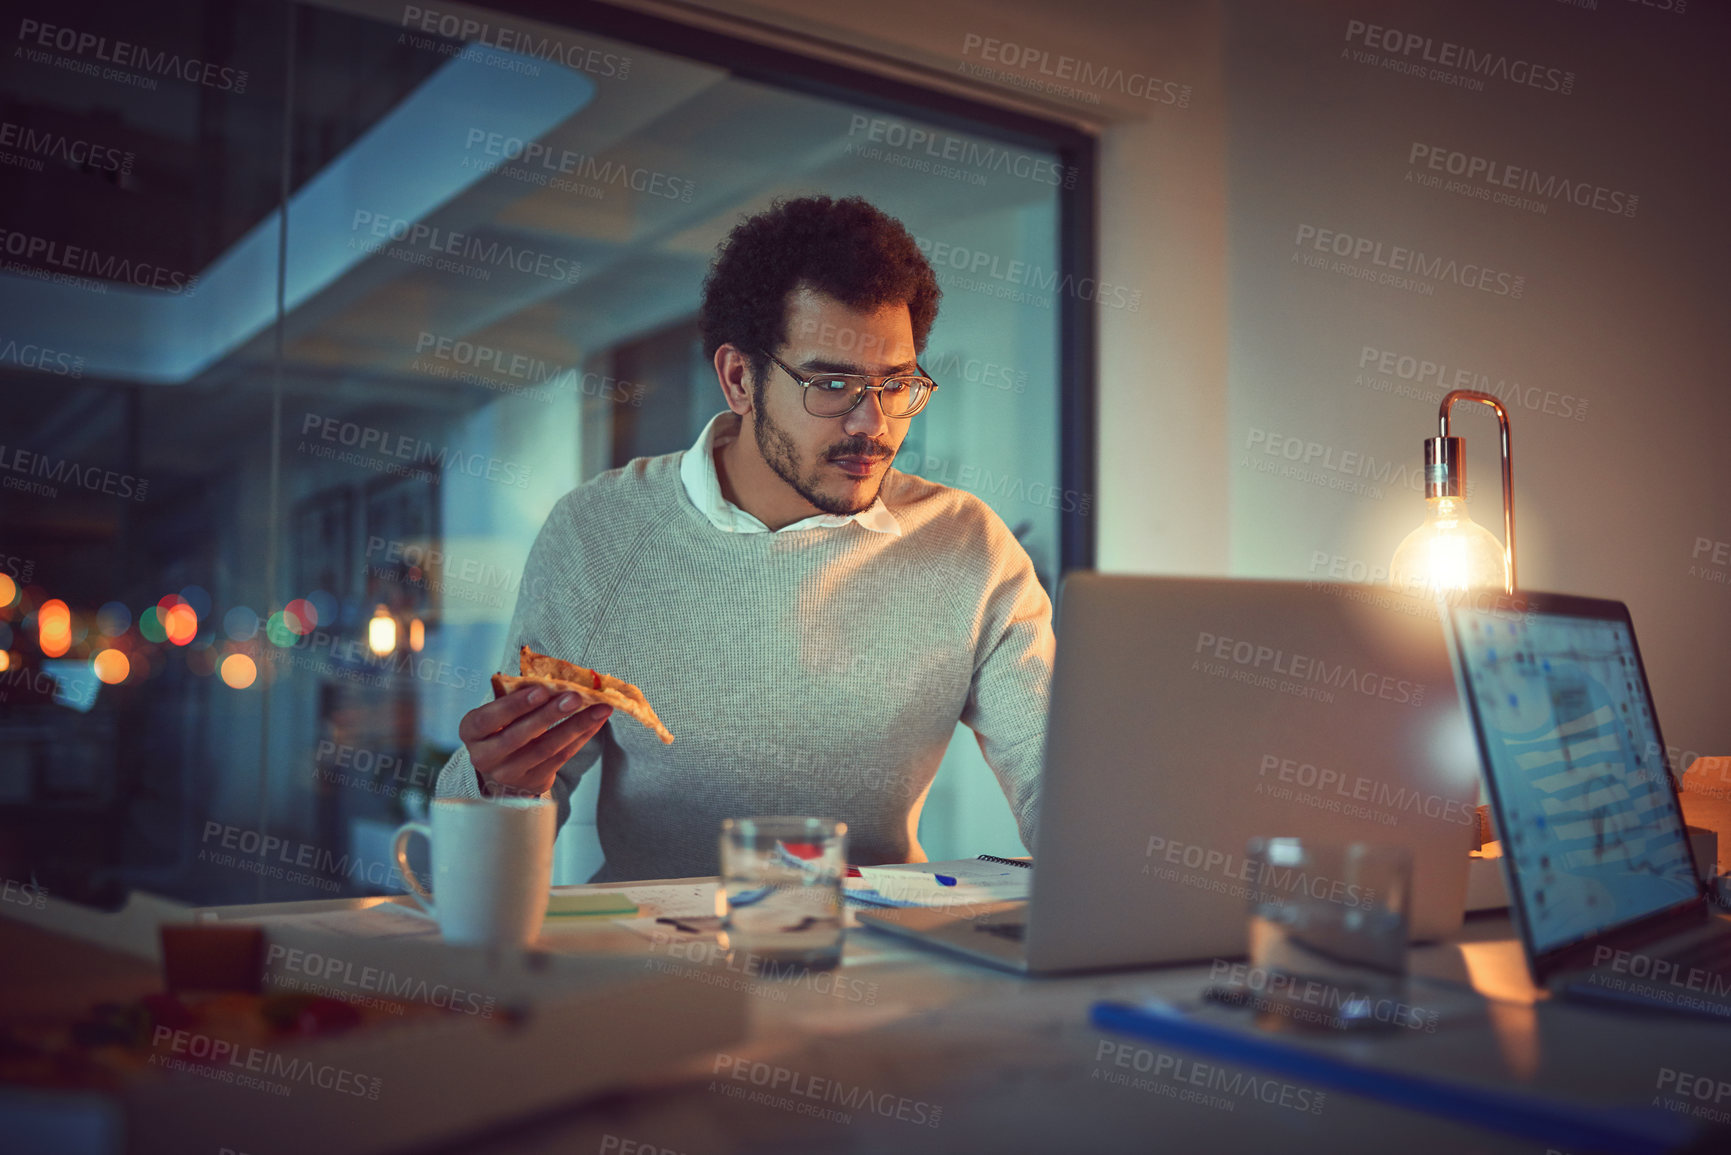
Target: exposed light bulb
pixel 1450 551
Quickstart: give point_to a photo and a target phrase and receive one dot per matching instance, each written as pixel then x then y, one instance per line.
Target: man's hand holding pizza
pixel 518 744
pixel 519 741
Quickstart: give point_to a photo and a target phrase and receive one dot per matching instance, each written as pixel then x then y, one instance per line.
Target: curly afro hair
pixel 846 249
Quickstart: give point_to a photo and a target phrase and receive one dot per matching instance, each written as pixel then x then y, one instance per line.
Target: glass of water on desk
pixel 1328 931
pixel 781 881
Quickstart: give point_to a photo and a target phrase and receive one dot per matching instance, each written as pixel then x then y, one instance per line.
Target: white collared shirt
pixel 697 472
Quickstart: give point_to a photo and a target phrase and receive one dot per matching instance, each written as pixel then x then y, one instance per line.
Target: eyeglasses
pixel 838 394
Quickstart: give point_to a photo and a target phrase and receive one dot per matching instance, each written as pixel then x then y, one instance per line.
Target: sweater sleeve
pixel 549 620
pixel 1006 706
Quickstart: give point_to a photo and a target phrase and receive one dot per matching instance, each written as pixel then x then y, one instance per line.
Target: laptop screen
pixel 1585 811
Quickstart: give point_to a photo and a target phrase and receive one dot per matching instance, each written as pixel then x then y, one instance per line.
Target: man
pixel 808 622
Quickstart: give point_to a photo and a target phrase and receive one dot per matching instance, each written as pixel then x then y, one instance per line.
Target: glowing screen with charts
pixel 1584 808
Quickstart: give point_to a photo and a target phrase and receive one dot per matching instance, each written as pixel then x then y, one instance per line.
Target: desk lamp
pixel 1451 551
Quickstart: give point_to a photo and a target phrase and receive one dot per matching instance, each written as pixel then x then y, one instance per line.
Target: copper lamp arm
pixel 1508 467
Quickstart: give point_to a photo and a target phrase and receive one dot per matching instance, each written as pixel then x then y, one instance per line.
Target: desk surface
pixel 923 1051
pixel 912 1050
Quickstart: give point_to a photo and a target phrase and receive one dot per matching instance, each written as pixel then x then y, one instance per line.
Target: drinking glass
pixel 781 878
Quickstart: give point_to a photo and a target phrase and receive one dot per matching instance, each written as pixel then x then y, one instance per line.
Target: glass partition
pixel 314 312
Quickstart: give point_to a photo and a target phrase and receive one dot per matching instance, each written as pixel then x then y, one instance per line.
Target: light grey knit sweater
pixel 817 672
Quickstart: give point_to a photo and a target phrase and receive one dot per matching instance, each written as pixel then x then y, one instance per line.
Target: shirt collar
pixel 697 472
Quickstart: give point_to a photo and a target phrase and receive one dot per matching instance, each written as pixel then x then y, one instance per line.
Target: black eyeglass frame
pixel 873 384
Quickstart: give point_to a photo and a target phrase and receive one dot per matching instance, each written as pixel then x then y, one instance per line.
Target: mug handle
pixel 401 850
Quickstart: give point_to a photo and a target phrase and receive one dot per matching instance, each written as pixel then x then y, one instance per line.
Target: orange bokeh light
pixel 54 628
pixel 5 661
pixel 180 623
pixel 111 666
pixel 239 671
pixel 8 589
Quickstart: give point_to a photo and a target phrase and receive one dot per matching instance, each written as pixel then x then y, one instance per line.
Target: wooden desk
pixel 978 1060
pixel 971 1059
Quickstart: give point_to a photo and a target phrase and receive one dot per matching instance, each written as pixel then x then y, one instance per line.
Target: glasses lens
pixel 903 395
pixel 831 396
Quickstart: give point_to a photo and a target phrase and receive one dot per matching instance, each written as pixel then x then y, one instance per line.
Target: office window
pixel 312 314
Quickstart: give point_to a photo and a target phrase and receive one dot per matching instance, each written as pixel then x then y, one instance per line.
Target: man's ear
pixel 733 373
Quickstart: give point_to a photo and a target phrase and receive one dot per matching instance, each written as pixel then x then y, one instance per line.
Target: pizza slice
pixel 592 686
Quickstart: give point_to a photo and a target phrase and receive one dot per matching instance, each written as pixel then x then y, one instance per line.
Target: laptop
pixel 1608 898
pixel 1189 716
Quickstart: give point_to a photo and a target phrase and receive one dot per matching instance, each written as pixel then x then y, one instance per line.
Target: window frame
pixel 1078 206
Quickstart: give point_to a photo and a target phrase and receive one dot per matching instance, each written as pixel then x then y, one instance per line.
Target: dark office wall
pixel 1561 168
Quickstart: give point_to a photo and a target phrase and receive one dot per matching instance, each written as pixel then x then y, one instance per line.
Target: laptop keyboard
pixel 1710 954
pixel 1010 930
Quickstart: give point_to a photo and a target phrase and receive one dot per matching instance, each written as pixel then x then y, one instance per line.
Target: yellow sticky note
pixel 616 904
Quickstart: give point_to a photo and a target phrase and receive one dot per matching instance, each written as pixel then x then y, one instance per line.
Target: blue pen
pixel 944 880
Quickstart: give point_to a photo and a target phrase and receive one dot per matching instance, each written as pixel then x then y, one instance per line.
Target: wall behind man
pixel 1261 415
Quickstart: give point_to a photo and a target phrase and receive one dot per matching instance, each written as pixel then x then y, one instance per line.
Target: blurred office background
pixel 312 311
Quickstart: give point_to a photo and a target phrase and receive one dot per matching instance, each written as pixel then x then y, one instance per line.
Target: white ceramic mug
pixel 492 867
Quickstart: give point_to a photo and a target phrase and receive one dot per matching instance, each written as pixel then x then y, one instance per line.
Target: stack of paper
pixel 963 882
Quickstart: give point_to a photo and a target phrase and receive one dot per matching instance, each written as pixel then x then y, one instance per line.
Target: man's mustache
pixel 867 450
